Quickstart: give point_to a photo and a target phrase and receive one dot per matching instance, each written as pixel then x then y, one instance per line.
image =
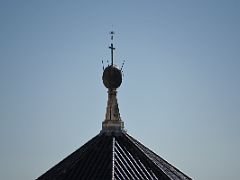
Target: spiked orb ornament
pixel 112 77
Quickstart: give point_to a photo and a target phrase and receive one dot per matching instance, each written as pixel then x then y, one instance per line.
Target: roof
pixel 113 156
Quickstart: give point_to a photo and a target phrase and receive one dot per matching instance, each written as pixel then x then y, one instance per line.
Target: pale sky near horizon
pixel 179 96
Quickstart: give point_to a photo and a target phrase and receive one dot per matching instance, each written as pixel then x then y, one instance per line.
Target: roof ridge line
pixel 146 155
pixel 140 146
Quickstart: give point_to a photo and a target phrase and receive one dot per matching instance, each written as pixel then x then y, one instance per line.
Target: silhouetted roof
pixel 113 156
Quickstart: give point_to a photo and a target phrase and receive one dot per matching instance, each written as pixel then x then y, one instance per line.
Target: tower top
pixel 112 79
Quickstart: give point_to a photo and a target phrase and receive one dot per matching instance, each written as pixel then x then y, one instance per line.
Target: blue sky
pixel 179 96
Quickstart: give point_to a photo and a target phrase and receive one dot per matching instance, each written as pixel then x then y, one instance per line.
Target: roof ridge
pixel 166 167
pixel 59 167
pixel 113 158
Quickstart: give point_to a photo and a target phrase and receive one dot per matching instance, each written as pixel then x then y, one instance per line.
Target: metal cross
pixel 112 48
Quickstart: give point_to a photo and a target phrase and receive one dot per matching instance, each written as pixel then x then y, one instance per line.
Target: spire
pixel 112 79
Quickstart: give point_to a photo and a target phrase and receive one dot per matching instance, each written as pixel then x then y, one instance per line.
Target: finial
pixel 112 33
pixel 111 47
pixel 112 75
pixel 112 79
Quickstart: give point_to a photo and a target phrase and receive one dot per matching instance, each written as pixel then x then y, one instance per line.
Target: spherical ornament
pixel 112 77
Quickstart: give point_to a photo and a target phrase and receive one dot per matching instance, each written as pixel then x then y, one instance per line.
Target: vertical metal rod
pixel 112 48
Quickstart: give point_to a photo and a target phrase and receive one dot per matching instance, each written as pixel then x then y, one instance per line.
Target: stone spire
pixel 112 79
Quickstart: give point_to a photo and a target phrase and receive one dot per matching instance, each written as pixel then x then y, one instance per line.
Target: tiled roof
pixel 113 156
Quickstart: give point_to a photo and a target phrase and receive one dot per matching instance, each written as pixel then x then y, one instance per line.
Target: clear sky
pixel 180 92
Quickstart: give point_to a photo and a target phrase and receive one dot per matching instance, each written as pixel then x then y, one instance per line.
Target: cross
pixel 112 48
